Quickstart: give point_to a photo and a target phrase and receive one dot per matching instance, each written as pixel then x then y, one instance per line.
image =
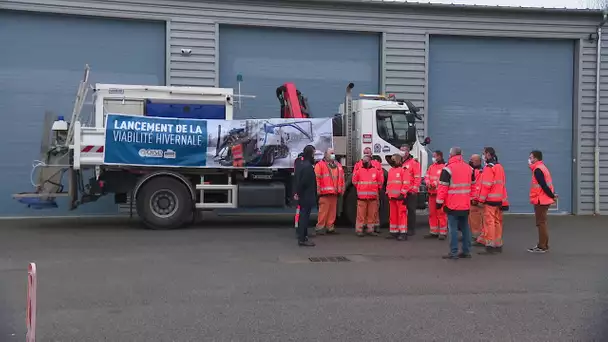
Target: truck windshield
pixel 394 128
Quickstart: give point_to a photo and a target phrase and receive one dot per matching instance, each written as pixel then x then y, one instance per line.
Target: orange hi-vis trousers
pixel 438 219
pixel 398 216
pixel 328 206
pixel 491 235
pixel 476 221
pixel 376 218
pixel 367 210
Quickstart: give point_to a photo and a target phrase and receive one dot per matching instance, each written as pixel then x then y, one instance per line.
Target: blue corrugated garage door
pixel 512 94
pixel 41 63
pixel 320 63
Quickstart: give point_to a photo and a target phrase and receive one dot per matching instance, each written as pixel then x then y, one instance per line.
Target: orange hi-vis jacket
pixel 537 195
pixel 399 182
pixel 368 182
pixel 329 181
pixel 374 163
pixel 412 166
pixel 476 179
pixel 492 190
pixel 432 177
pixel 455 185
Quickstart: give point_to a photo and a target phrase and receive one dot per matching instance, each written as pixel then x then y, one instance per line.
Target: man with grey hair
pixel 454 197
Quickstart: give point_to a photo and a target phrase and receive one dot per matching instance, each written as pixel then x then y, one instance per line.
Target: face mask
pixel 434 160
pixel 530 162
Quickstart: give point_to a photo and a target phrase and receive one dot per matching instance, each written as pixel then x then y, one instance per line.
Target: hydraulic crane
pixel 293 104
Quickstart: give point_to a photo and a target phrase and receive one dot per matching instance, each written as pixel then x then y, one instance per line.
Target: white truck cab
pixel 383 125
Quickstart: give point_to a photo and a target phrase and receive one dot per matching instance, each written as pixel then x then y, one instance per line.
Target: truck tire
pixel 164 203
pixel 349 207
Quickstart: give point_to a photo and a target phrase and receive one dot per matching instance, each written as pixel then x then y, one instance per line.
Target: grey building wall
pixel 406 29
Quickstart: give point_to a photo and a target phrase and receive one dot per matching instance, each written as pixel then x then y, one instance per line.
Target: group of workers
pixel 466 199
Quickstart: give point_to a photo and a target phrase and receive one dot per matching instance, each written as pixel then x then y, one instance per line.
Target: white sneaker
pixel 536 250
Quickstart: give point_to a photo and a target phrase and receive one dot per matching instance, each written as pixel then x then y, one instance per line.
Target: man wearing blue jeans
pixel 454 197
pixel 456 223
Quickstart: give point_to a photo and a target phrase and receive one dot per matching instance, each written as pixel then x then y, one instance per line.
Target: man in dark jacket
pixel 306 193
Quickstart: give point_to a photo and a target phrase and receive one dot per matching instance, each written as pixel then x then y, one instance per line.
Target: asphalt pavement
pixel 246 280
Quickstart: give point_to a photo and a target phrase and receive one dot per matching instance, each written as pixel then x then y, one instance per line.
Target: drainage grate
pixel 329 259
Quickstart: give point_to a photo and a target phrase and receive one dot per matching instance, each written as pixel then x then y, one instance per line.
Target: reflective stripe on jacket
pixel 412 166
pixel 432 177
pixel 537 195
pixel 399 182
pixel 328 182
pixel 367 182
pixel 454 190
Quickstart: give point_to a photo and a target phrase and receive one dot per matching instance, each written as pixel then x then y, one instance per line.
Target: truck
pixel 169 197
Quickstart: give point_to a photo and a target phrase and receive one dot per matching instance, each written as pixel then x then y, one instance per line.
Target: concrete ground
pixel 246 280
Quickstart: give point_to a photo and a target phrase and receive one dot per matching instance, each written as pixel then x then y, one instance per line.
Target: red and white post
pixel 30 312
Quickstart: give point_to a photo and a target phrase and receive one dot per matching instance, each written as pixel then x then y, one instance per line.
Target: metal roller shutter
pixel 321 63
pixel 515 95
pixel 41 63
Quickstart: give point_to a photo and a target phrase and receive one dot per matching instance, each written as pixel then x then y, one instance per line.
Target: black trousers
pixel 304 222
pixel 411 202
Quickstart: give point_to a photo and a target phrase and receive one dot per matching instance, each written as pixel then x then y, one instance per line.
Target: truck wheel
pixel 164 203
pixel 349 207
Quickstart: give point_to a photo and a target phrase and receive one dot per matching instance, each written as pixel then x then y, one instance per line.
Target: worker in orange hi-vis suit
pixel 330 185
pixel 378 165
pixel 237 155
pixel 399 182
pixel 492 195
pixel 476 213
pixel 368 182
pixel 438 219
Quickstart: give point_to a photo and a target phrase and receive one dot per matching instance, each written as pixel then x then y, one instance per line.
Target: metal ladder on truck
pixel 230 189
pixel 54 158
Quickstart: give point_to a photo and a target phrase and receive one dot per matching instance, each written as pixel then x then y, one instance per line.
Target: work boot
pixel 392 236
pixel 464 256
pixel 431 236
pixel 377 229
pixel 360 234
pixel 450 257
pixel 402 237
pixel 442 237
pixel 487 251
pixel 332 232
pixel 306 244
pixel 372 233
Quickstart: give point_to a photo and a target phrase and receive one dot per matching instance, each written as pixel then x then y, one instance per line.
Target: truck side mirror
pixel 427 141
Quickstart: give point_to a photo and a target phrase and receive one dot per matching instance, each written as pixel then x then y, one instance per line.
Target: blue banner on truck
pixel 195 143
pixel 155 141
